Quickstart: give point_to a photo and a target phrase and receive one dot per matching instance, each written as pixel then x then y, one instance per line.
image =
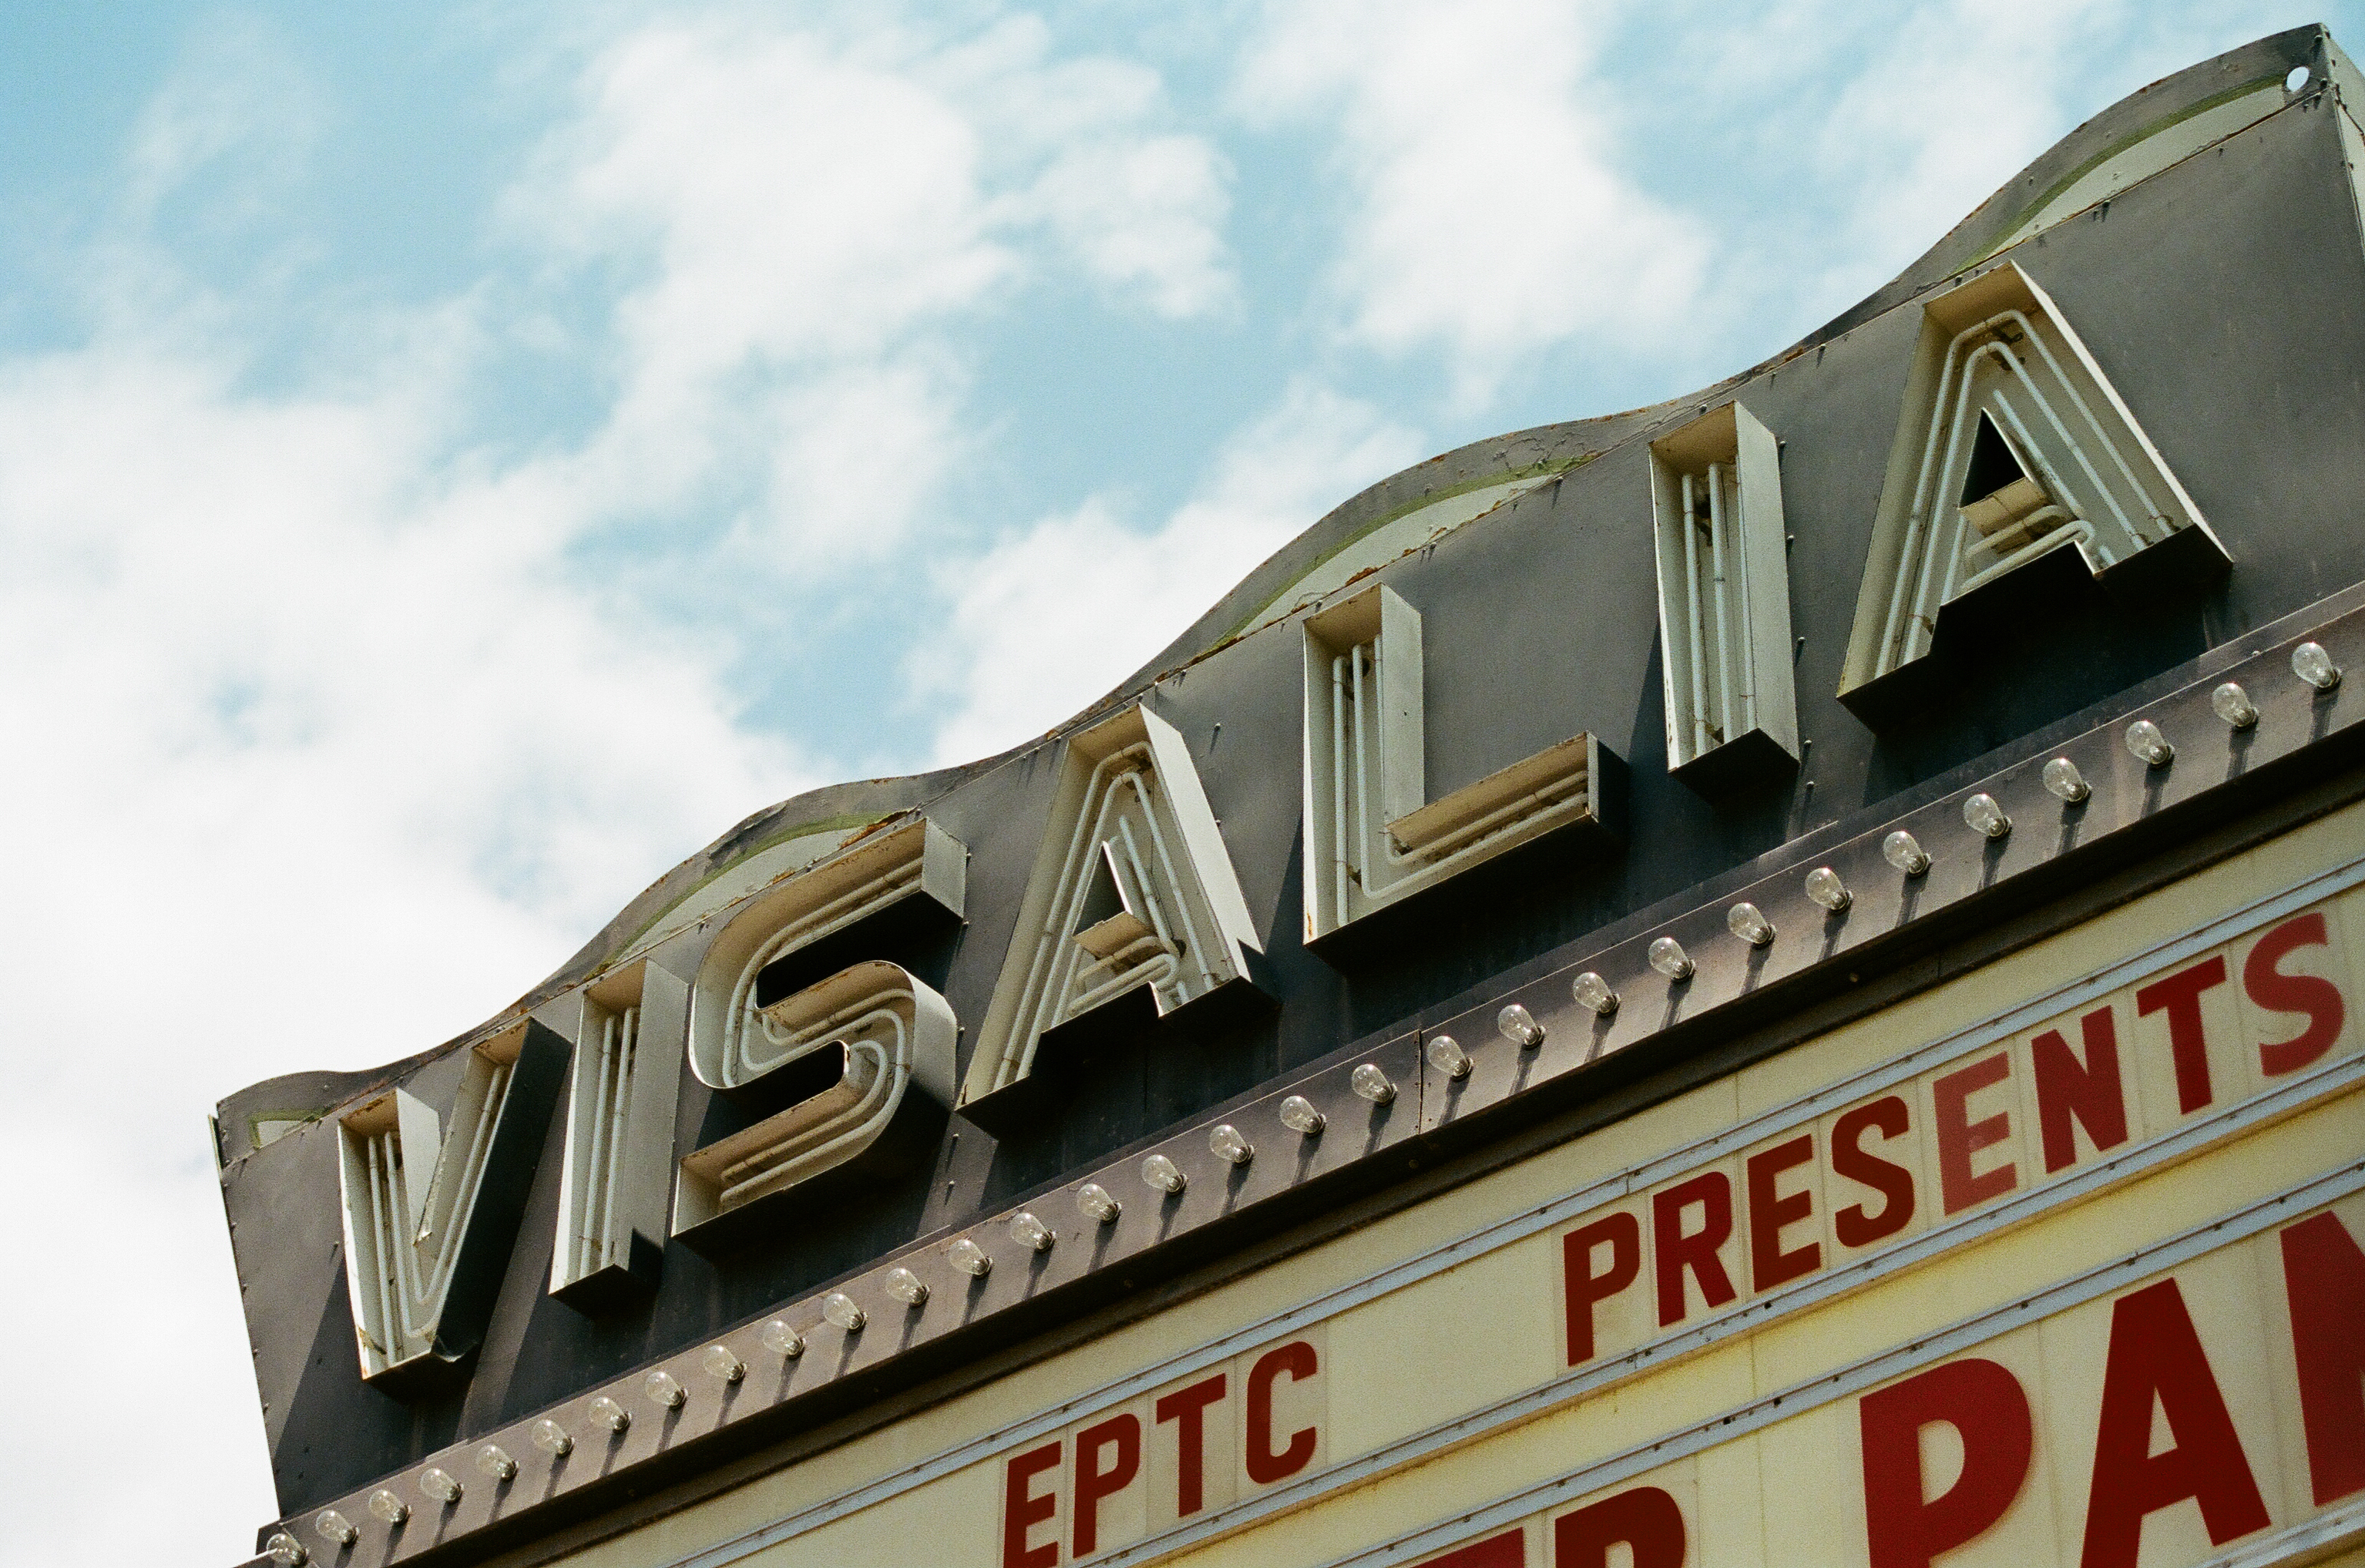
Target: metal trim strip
pixel 2314 1536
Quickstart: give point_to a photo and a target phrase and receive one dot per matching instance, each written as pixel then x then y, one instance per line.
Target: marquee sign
pixel 1765 979
pixel 1921 1157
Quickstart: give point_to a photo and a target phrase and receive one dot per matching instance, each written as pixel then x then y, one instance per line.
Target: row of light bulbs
pixel 2310 662
pixel 1298 1114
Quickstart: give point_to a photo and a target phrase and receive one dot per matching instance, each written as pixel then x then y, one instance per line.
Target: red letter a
pixel 2156 1356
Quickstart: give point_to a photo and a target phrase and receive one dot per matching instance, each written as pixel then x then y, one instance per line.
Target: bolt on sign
pixel 1772 979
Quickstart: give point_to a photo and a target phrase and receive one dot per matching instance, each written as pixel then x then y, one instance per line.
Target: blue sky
pixel 457 459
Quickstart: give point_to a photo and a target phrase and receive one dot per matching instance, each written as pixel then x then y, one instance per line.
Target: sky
pixel 457 459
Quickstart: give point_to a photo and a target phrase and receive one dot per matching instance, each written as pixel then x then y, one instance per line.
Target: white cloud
pixel 1488 217
pixel 813 214
pixel 317 758
pixel 1076 141
pixel 1144 215
pixel 325 744
pixel 1054 616
pixel 1835 144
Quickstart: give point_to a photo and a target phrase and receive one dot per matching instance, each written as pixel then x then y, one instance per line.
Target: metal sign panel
pixel 1416 1016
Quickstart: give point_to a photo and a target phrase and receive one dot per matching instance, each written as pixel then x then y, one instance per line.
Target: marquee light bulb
pixel 389 1508
pixel 721 1363
pixel 1030 1232
pixel 440 1484
pixel 1519 1025
pixel 334 1528
pixel 840 1309
pixel 606 1412
pixel 495 1462
pixel 2313 664
pixel 1668 956
pixel 1225 1142
pixel 1748 921
pixel 1298 1114
pixel 968 1258
pixel 1446 1055
pixel 1097 1205
pixel 780 1338
pixel 2144 740
pixel 285 1551
pixel 1591 991
pixel 1824 886
pixel 1370 1081
pixel 1904 851
pixel 1163 1174
pixel 2061 777
pixel 552 1439
pixel 1984 816
pixel 906 1287
pixel 664 1388
pixel 2233 706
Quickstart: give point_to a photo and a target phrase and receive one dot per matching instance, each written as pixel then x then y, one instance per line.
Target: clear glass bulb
pixel 840 1309
pixel 721 1363
pixel 1446 1055
pixel 906 1287
pixel 2061 777
pixel 1298 1114
pixel 1749 923
pixel 1519 1025
pixel 1163 1174
pixel 1030 1232
pixel 968 1258
pixel 2233 706
pixel 780 1338
pixel 2144 740
pixel 439 1484
pixel 1225 1142
pixel 1095 1202
pixel 1668 956
pixel 1370 1081
pixel 606 1412
pixel 552 1439
pixel 334 1528
pixel 1983 815
pixel 495 1462
pixel 1591 991
pixel 285 1551
pixel 388 1508
pixel 664 1388
pixel 1904 851
pixel 1824 886
pixel 2313 664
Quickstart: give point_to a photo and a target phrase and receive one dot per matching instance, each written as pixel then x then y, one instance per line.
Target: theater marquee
pixel 1773 978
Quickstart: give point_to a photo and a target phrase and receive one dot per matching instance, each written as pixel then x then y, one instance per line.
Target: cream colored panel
pixel 915 1532
pixel 1800 1490
pixel 1513 1293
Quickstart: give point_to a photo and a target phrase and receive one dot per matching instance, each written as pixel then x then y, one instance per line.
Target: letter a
pixel 1133 901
